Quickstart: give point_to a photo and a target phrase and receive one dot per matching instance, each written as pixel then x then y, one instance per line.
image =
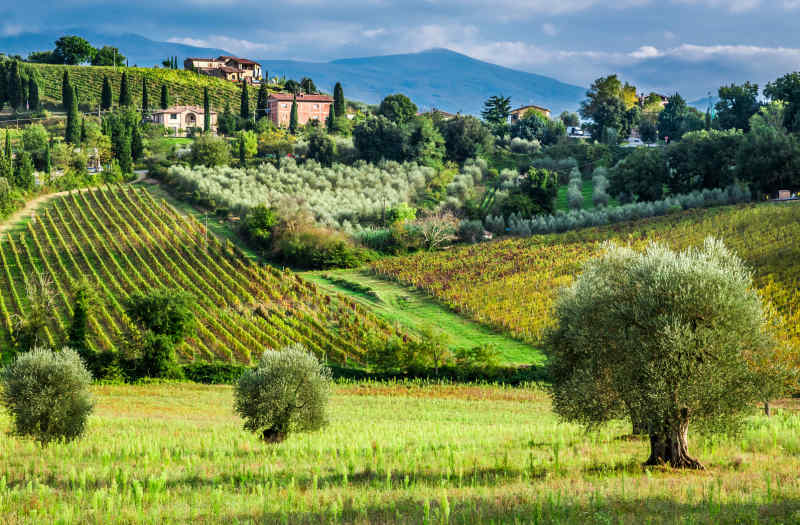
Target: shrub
pixel 287 392
pixel 319 249
pixel 470 231
pixel 210 151
pixel 47 395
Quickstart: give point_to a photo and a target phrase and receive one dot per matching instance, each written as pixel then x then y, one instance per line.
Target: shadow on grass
pixel 551 508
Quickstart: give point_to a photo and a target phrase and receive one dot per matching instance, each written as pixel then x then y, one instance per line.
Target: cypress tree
pixel 83 304
pixel 338 100
pixel 66 91
pixel 48 163
pixel 262 102
pixel 72 134
pixel 106 98
pixel 145 97
pixel 164 96
pixel 23 175
pixel 206 111
pixel 6 166
pixel 22 92
pixel 8 146
pixel 293 123
pixel 331 117
pixel 137 147
pixel 83 130
pixel 33 94
pixel 242 152
pixel 14 92
pixel 244 110
pixel 124 158
pixel 124 92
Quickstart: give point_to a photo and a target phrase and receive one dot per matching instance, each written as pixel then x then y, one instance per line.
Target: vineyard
pixel 510 284
pixel 185 87
pixel 124 241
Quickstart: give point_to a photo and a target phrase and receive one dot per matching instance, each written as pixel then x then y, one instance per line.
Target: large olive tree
pixel 666 338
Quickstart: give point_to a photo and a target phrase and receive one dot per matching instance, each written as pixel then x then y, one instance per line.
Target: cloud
pixel 549 29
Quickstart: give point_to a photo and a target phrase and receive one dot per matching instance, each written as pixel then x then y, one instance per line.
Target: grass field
pixel 414 309
pixel 393 453
pixel 510 284
pixel 586 189
pixel 124 241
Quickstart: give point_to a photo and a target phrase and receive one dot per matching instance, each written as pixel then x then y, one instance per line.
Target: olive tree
pixel 664 337
pixel 47 394
pixel 287 392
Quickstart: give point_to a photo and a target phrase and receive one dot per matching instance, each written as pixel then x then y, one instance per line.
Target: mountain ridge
pixel 435 78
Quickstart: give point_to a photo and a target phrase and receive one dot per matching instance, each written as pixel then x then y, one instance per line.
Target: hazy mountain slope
pixel 435 78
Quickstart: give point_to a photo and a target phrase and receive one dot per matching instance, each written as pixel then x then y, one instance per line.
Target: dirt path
pixel 32 205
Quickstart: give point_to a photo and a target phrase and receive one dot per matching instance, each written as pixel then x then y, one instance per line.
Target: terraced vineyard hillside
pixel 185 87
pixel 125 241
pixel 510 284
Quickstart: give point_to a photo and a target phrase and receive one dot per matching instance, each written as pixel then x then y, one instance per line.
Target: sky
pixel 691 46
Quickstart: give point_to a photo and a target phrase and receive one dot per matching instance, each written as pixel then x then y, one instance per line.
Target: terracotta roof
pixel 181 109
pixel 240 60
pixel 301 97
pixel 532 106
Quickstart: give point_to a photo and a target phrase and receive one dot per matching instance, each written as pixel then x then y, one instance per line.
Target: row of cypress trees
pixel 125 99
pixel 18 91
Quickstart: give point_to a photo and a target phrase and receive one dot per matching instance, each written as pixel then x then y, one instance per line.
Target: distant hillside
pixel 185 87
pixel 138 49
pixel 435 78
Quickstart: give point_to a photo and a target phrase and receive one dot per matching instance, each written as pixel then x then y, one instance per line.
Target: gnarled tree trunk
pixel 670 445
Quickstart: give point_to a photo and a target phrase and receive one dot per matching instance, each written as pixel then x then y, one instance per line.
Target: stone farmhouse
pixel 517 114
pixel 230 68
pixel 179 119
pixel 309 107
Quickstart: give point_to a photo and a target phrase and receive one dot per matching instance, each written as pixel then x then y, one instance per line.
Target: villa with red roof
pixel 230 68
pixel 309 107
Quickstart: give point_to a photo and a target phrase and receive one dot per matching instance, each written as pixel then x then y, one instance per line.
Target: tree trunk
pixel 671 445
pixel 639 426
pixel 767 409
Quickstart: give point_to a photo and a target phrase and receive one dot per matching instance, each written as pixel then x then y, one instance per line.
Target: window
pixel 316 106
pixel 173 116
pixel 284 105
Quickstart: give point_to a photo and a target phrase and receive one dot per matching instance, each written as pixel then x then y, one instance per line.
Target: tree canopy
pixel 398 108
pixel 73 50
pixel 108 56
pixel 666 338
pixel 737 103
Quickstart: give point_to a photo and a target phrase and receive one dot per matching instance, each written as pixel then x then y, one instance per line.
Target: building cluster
pixel 230 68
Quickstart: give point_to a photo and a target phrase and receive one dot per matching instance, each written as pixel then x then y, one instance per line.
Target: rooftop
pixel 181 109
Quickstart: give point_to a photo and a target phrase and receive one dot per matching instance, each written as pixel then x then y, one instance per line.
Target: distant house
pixel 575 132
pixel 178 119
pixel 435 113
pixel 663 99
pixel 517 114
pixel 230 68
pixel 309 107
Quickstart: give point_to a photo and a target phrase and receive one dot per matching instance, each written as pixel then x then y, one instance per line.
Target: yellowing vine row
pixel 510 284
pixel 123 241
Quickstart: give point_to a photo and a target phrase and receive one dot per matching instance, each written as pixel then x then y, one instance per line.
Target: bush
pixel 287 392
pixel 47 395
pixel 470 231
pixel 319 249
pixel 210 151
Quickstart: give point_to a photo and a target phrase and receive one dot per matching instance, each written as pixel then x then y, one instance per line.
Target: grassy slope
pixel 176 453
pixel 561 197
pixel 510 284
pixel 414 309
pixel 185 87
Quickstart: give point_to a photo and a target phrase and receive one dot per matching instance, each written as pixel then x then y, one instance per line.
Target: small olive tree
pixel 47 394
pixel 287 392
pixel 663 337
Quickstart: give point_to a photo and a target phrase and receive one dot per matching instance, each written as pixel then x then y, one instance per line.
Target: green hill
pixel 510 284
pixel 185 87
pixel 124 241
